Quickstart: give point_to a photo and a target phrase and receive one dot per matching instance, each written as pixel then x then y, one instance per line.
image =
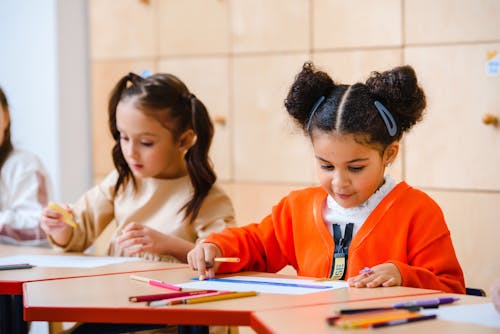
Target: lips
pixel 137 166
pixel 343 196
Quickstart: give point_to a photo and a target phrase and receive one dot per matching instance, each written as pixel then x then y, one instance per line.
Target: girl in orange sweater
pixel 359 225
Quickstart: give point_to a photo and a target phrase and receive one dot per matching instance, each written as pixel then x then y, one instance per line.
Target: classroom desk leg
pixel 193 329
pixel 11 315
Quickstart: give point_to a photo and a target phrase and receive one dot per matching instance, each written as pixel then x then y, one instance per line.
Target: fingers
pixel 386 274
pixel 51 221
pixel 201 259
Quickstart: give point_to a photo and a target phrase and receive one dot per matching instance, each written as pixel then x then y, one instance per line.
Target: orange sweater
pixel 407 228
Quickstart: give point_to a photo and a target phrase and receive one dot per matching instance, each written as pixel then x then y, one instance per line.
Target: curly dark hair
pixel 167 98
pixel 350 109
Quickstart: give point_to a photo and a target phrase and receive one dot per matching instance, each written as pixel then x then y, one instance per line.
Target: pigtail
pixel 197 160
pixel 117 94
pixel 305 94
pixel 399 92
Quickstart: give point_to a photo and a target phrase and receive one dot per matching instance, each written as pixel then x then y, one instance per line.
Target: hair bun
pixel 399 91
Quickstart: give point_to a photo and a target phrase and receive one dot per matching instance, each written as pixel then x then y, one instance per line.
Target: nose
pixel 340 180
pixel 129 149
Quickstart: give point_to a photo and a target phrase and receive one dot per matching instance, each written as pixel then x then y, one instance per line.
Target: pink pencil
pixel 156 283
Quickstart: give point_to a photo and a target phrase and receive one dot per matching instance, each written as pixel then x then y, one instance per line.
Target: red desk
pixel 11 281
pixel 312 319
pixel 105 299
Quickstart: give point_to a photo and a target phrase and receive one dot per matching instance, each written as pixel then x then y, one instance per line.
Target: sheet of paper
pixel 69 261
pixel 265 285
pixel 481 314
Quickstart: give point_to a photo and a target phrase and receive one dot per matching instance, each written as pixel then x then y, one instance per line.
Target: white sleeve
pixel 24 194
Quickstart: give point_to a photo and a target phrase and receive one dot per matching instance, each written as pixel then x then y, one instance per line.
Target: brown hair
pixel 6 145
pixel 167 98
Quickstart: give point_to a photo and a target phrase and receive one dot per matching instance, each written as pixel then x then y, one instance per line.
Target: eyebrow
pixel 349 162
pixel 150 134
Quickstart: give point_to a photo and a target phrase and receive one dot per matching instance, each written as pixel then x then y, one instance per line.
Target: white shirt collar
pixel 335 214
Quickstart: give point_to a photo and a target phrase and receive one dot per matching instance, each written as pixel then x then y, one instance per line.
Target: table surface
pixel 11 281
pixel 312 319
pixel 105 299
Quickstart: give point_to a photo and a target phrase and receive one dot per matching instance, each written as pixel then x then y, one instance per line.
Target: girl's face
pixel 149 148
pixel 4 122
pixel 350 172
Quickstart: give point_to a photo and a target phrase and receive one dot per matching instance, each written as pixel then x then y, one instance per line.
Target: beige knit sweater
pixel 101 214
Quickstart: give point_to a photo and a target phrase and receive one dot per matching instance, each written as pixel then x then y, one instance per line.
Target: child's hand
pixel 52 224
pixel 386 274
pixel 137 238
pixel 202 257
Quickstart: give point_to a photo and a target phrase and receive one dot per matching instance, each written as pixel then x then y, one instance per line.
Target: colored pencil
pixel 403 321
pixel 163 296
pixel 227 259
pixel 365 320
pixel 181 300
pixel 231 295
pixel 156 283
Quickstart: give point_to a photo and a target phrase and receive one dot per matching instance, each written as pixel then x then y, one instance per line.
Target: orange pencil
pixel 227 259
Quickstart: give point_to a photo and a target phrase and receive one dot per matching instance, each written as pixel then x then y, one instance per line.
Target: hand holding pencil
pixel 205 258
pixel 58 222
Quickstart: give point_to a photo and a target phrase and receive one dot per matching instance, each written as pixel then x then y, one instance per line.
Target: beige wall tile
pixel 208 79
pixel 267 145
pixel 193 27
pixel 264 26
pixel 452 148
pixel 104 77
pixel 122 29
pixel 341 24
pixel 475 228
pixel 263 197
pixel 356 66
pixel 430 21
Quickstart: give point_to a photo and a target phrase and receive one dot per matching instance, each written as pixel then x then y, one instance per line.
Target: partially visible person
pixel 495 294
pixel 24 188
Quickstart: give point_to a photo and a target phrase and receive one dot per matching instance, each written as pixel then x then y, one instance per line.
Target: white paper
pixel 480 314
pixel 70 261
pixel 262 286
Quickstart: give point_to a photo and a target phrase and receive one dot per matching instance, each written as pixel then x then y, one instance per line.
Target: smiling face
pixel 149 148
pixel 349 171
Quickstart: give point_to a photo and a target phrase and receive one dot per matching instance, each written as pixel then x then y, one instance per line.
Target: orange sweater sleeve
pixel 261 247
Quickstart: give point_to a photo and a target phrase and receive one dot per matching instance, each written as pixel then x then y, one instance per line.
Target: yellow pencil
pixel 227 259
pixel 223 296
pixel 363 320
pixel 65 215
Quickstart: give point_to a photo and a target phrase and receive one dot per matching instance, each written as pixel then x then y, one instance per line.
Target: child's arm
pixel 137 238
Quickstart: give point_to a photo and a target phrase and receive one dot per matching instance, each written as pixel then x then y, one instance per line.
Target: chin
pixel 139 175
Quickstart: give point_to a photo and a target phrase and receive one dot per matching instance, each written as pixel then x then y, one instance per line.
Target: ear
pixel 390 153
pixel 187 140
